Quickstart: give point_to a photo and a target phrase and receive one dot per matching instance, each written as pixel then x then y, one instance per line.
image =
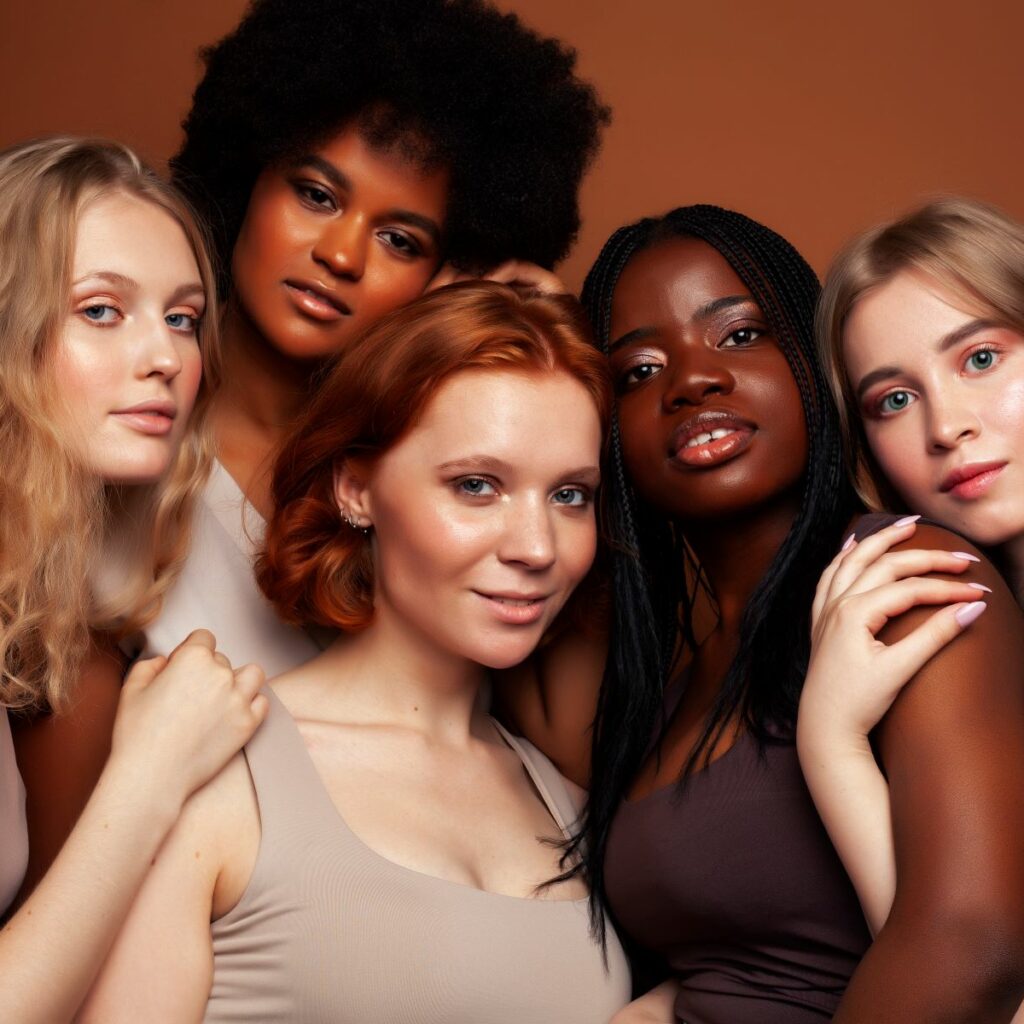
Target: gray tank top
pixel 329 931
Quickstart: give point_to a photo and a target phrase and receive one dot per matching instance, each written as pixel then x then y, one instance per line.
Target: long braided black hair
pixel 652 604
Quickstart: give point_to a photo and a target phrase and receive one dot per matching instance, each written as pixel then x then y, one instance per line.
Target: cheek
pixel 390 285
pixel 898 449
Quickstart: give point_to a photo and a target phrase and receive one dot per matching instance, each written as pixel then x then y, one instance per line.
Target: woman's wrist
pixel 128 786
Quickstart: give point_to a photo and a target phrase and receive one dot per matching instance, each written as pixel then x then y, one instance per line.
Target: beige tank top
pixel 330 932
pixel 13 829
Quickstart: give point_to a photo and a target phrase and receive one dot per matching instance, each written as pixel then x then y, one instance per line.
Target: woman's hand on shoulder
pixel 181 718
pixel 853 677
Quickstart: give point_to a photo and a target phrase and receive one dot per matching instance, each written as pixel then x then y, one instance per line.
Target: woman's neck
pixel 391 674
pixel 260 396
pixel 735 554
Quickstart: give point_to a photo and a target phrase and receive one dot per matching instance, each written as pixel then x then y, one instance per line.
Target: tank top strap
pixel 550 783
pixel 287 785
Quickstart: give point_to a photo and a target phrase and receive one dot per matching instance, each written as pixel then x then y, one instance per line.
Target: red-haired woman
pixel 381 851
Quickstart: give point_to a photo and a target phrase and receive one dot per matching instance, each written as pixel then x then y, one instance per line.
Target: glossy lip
pixel 515 614
pixel 712 453
pixel 317 301
pixel 972 480
pixel 154 417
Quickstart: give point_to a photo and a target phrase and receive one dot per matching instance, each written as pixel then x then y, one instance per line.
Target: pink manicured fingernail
pixel 966 615
pixel 906 520
pixel 848 543
pixel 965 555
pixel 980 586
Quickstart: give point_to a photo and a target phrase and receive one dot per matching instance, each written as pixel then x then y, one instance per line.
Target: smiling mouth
pixel 709 439
pixel 516 611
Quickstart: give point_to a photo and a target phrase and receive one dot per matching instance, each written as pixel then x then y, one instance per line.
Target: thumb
pixel 144 672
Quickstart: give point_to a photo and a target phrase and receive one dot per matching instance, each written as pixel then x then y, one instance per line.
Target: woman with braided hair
pixel 726 478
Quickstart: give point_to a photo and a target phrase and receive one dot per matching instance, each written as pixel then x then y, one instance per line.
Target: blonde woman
pixel 104 322
pixel 922 327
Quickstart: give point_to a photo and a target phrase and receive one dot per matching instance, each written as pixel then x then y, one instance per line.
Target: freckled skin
pixel 941 409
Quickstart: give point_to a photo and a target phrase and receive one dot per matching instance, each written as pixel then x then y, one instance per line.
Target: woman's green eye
pixel 983 359
pixel 895 401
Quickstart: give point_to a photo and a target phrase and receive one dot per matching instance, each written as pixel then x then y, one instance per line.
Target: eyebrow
pixel 475 463
pixel 340 180
pixel 183 291
pixel 945 343
pixel 709 309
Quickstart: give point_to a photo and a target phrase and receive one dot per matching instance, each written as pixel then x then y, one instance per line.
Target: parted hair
pixel 453 83
pixel 317 569
pixel 971 247
pixel 60 525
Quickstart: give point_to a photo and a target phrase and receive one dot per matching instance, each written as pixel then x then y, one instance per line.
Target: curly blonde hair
pixel 76 554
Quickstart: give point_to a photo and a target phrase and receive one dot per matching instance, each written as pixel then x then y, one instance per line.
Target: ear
pixel 352 494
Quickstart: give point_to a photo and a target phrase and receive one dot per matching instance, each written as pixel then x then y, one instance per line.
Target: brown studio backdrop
pixel 817 118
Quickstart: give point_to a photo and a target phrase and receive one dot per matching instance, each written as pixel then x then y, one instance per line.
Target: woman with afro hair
pixel 346 155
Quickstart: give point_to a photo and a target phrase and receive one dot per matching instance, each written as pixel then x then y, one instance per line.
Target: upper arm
pixel 160 967
pixel 551 699
pixel 953 749
pixel 952 746
pixel 60 757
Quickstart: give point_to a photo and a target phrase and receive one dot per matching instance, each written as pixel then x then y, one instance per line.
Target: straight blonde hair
pixel 970 247
pixel 60 526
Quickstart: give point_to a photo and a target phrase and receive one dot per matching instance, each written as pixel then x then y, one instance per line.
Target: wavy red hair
pixel 314 568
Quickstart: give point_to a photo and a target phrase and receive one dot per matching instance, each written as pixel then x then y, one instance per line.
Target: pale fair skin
pixel 482 523
pixel 127 369
pixel 943 413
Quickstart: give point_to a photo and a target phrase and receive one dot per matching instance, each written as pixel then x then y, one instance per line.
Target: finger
pixel 527 274
pixel 143 672
pixel 822 593
pixel 259 707
pixel 865 551
pixel 895 565
pixel 878 606
pixel 446 275
pixel 221 659
pixel 197 638
pixel 911 653
pixel 249 678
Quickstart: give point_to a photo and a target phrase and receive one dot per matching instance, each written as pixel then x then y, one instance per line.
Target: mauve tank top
pixel 734 882
pixel 330 932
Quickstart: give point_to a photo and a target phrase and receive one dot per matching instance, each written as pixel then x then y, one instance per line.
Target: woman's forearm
pixel 852 798
pixel 654 1007
pixel 72 917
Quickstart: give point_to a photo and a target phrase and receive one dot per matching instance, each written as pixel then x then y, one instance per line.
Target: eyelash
pixel 191 328
pixel 585 494
pixel 318 198
pixel 977 351
pixel 757 332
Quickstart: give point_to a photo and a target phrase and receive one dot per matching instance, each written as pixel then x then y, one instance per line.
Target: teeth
pixel 714 435
pixel 516 602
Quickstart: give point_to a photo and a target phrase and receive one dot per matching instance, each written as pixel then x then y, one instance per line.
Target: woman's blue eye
pixel 895 401
pixel 983 359
pixel 101 313
pixel 476 486
pixel 571 496
pixel 181 321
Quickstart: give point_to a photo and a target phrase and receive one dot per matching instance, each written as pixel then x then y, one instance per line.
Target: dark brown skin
pixel 953 749
pixel 60 757
pixel 953 743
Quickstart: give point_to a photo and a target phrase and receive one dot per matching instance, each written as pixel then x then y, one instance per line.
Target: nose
pixel 341 246
pixel 950 421
pixel 528 539
pixel 159 350
pixel 696 376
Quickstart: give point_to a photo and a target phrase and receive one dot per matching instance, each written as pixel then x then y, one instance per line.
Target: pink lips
pixel 316 301
pixel 972 480
pixel 710 438
pixel 155 418
pixel 515 609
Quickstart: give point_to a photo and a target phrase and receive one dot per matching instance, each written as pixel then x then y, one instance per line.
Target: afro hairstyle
pixel 453 83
